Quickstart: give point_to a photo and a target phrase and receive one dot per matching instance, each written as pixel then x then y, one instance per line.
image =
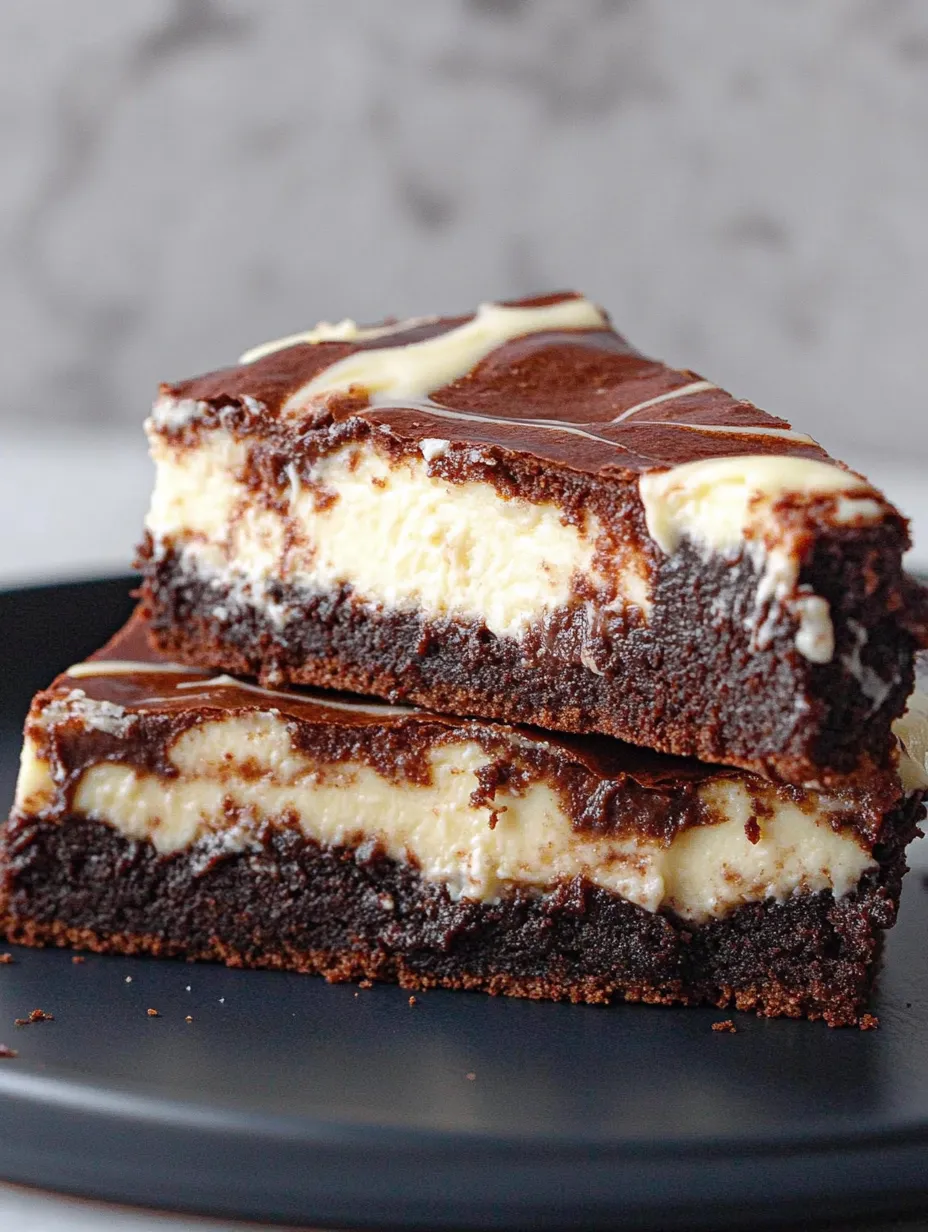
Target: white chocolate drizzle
pixel 128 667
pixel 342 331
pixel 402 377
pixel 786 434
pixel 414 370
pixel 684 391
pixel 132 667
pixel 327 703
pixel 442 412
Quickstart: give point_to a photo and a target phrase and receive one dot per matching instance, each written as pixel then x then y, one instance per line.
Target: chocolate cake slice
pixel 160 809
pixel 515 514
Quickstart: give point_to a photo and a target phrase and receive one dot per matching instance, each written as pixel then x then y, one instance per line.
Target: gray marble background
pixel 744 184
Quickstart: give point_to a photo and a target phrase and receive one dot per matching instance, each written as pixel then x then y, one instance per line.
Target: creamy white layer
pixel 400 536
pixel 717 502
pixel 250 761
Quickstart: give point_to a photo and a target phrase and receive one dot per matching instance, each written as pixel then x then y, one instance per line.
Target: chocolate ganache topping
pixel 547 376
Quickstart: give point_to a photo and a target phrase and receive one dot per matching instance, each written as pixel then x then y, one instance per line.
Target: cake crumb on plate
pixel 35 1016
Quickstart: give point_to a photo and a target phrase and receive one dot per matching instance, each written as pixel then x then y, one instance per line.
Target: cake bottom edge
pixel 766 999
pixel 353 914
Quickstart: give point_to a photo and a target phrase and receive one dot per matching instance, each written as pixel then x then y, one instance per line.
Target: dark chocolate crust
pixel 686 683
pixel 354 914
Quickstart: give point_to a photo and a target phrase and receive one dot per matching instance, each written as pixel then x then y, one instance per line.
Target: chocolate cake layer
pixel 352 914
pixel 517 515
pixel 159 808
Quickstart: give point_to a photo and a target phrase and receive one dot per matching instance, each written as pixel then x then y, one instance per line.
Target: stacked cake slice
pixel 506 518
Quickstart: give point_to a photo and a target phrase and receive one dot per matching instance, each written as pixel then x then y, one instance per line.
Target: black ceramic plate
pixel 290 1099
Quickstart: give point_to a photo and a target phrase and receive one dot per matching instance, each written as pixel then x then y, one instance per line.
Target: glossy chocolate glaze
pixel 554 395
pixel 606 785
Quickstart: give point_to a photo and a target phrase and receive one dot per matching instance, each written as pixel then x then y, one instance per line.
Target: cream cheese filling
pixel 250 763
pixel 398 535
pixel 717 501
pixel 401 537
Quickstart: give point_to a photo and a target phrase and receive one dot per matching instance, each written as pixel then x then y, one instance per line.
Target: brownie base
pixel 354 914
pixel 694 689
